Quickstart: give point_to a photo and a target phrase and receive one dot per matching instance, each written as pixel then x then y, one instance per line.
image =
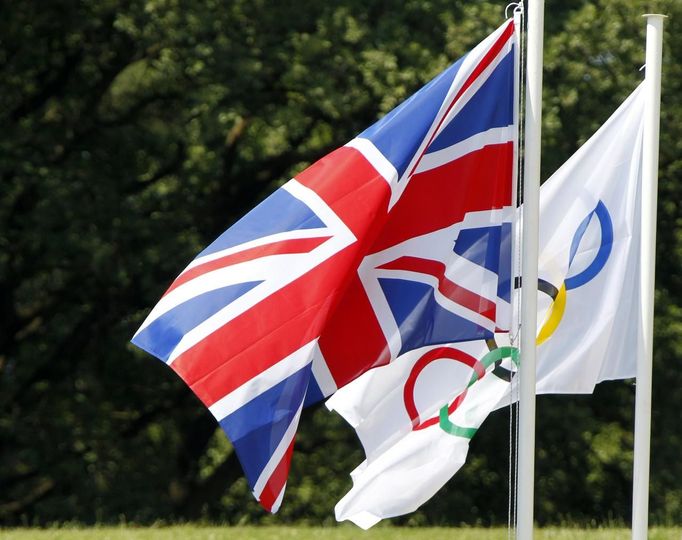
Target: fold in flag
pixel 590 331
pixel 351 264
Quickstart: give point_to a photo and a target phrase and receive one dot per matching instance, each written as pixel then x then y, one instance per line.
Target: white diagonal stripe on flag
pixel 263 382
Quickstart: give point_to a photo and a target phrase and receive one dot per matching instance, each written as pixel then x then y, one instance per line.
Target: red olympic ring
pixel 441 353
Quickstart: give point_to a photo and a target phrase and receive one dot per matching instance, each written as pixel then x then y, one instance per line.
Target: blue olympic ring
pixel 604 247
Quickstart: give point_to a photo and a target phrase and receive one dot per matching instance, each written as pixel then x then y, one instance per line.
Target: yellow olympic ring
pixel 554 316
pixel 556 311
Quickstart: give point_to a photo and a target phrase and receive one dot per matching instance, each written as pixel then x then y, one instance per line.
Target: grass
pixel 190 532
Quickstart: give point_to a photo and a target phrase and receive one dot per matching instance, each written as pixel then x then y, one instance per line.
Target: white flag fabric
pixel 590 330
pixel 407 474
pixel 589 253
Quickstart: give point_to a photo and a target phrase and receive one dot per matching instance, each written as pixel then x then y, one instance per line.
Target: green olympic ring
pixel 493 357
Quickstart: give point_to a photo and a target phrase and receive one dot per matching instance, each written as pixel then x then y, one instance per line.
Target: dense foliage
pixel 133 132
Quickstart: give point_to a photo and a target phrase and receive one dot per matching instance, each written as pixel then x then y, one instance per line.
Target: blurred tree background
pixel 134 132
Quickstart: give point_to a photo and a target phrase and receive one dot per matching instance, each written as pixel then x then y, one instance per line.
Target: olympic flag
pixel 590 331
pixel 349 265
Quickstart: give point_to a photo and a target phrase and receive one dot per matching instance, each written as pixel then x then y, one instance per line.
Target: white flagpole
pixel 652 112
pixel 529 269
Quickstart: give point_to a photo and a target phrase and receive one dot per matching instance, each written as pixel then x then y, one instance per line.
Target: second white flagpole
pixel 529 269
pixel 652 111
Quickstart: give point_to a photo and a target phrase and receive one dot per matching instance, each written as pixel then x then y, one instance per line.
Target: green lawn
pixel 334 533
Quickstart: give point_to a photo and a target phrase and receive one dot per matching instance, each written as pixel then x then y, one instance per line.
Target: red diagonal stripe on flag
pixel 458 294
pixel 293 246
pixel 293 316
pixel 484 63
pixel 277 480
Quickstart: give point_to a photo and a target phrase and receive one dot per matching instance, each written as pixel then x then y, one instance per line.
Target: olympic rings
pixel 556 311
pixel 496 354
pixel 435 354
pixel 493 357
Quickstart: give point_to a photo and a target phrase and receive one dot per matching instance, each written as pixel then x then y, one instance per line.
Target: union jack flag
pixel 397 240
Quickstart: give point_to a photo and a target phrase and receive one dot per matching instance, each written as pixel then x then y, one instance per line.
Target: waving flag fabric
pixel 591 326
pixel 416 435
pixel 351 263
pixel 415 417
